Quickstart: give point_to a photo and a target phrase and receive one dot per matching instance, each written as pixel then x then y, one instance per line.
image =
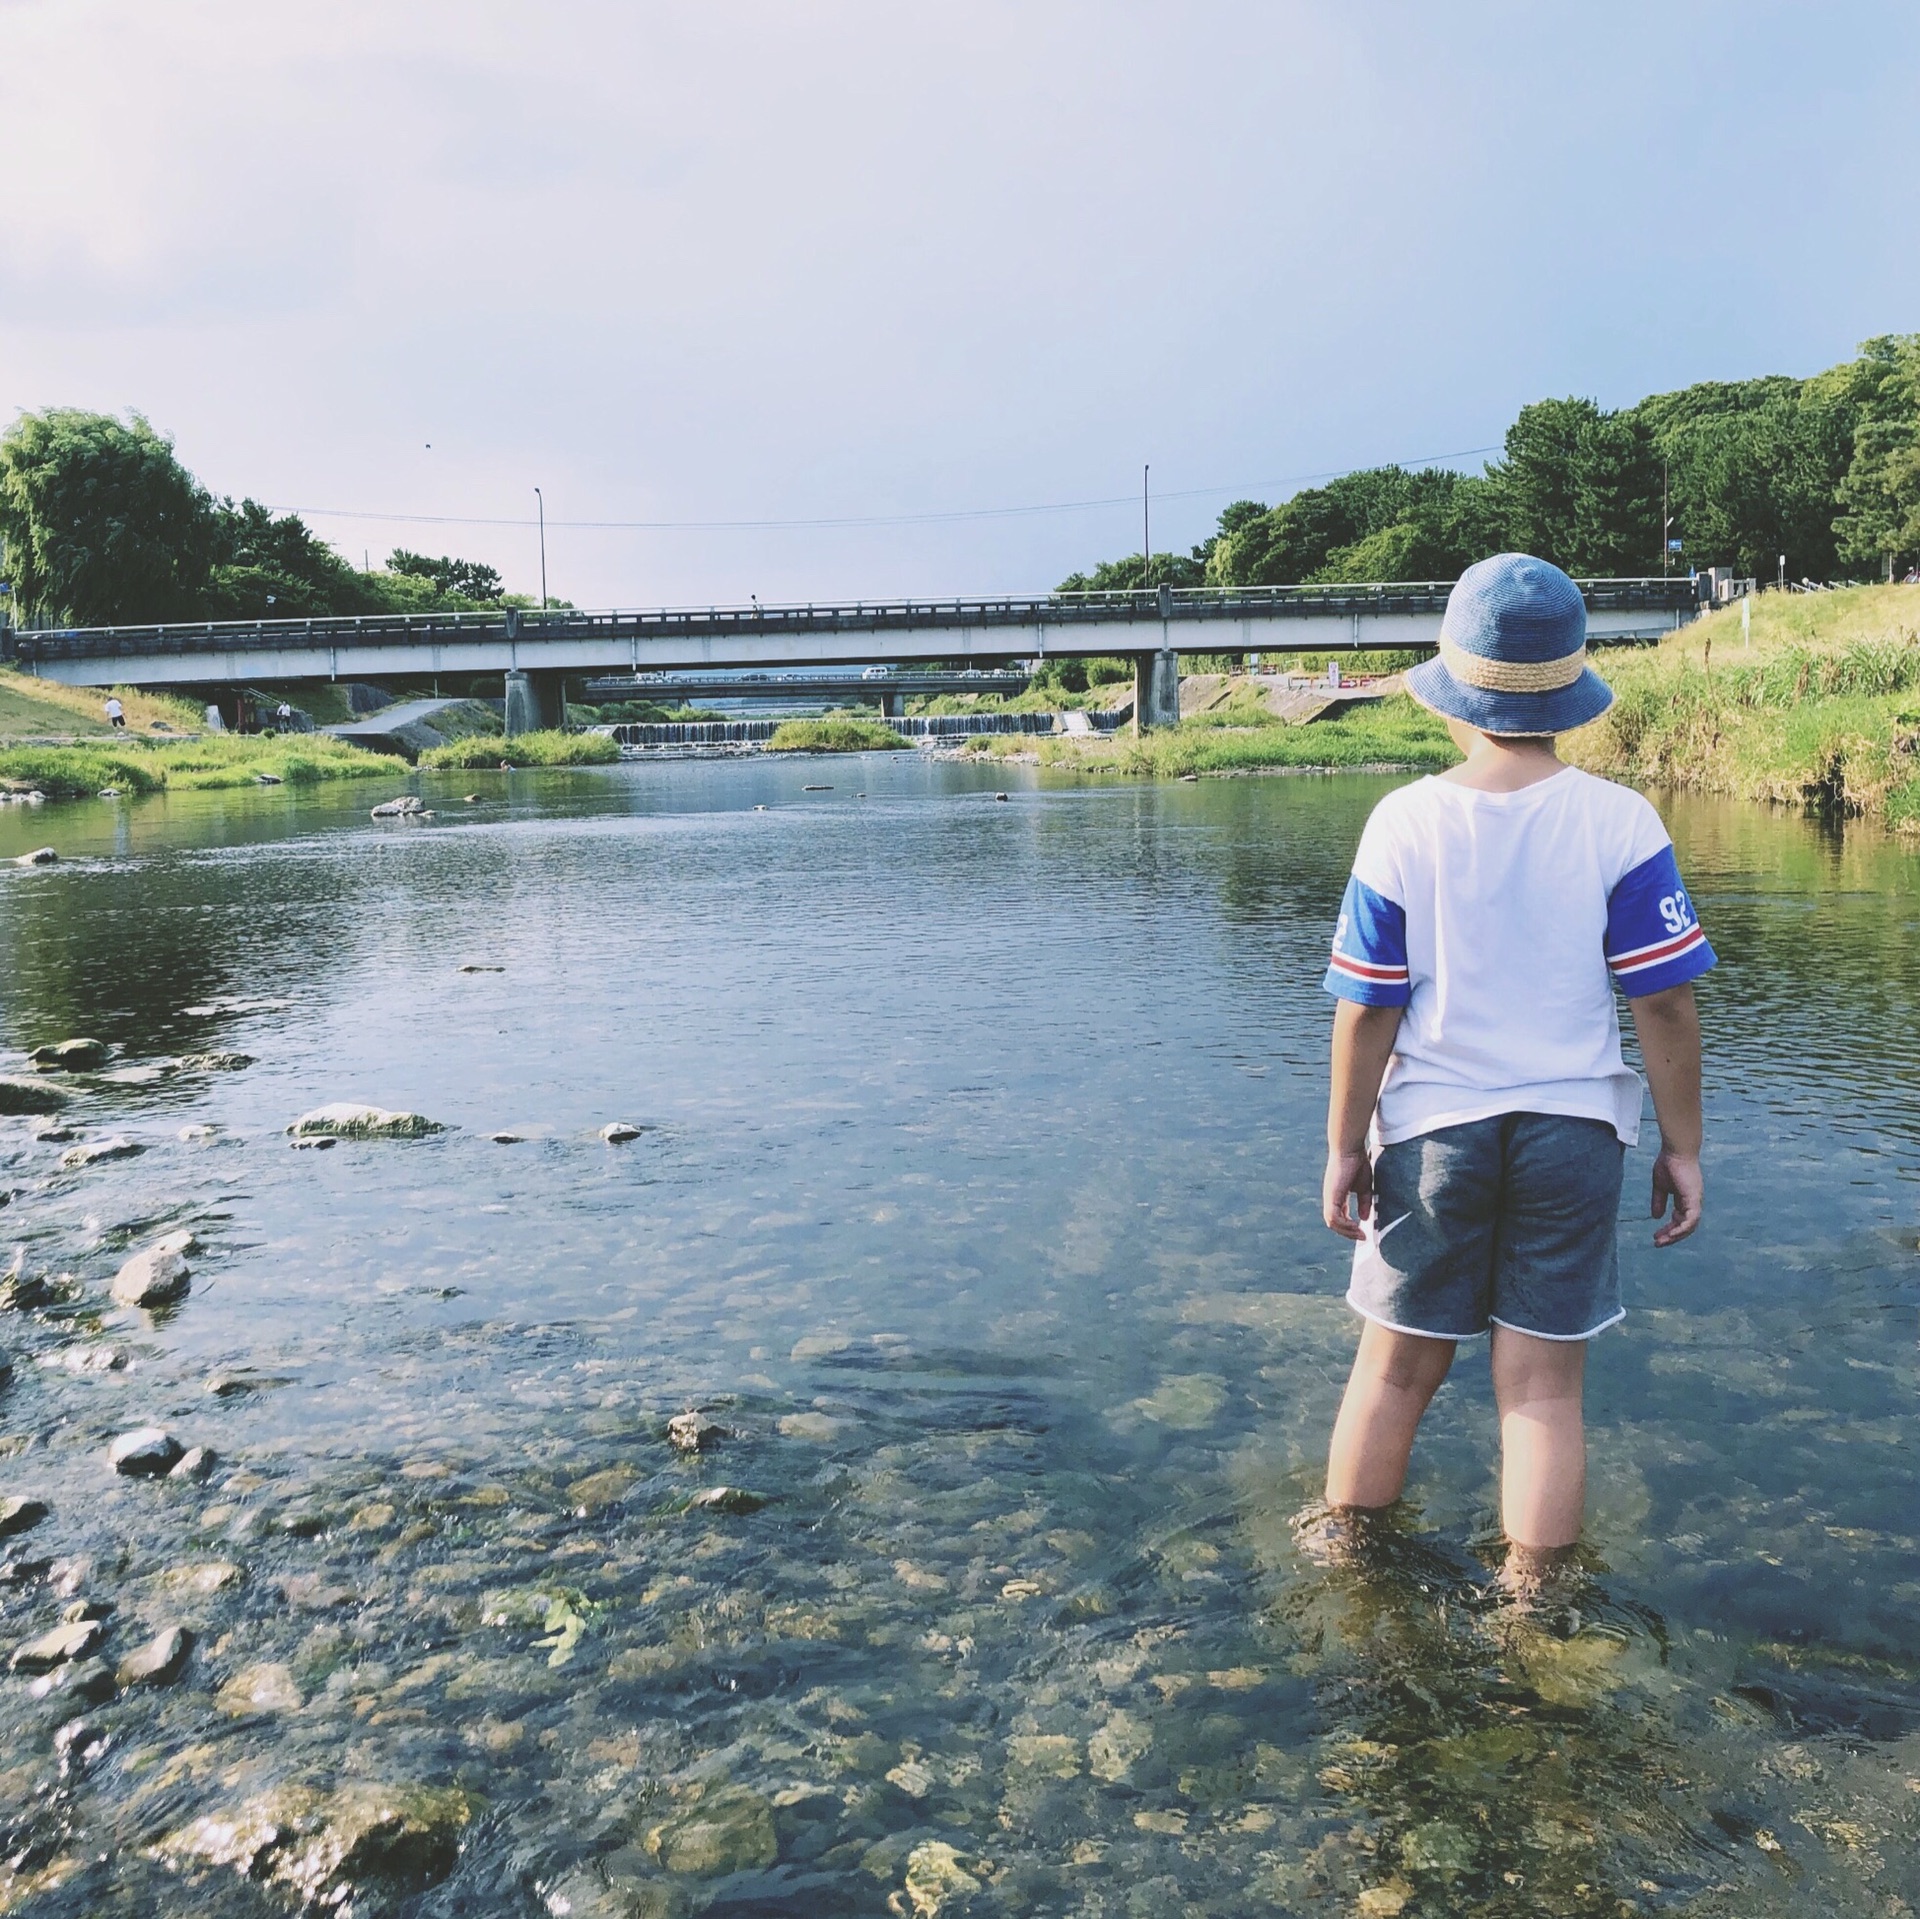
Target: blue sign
pixel 1673 546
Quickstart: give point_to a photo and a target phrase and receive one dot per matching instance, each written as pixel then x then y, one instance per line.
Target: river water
pixel 975 1200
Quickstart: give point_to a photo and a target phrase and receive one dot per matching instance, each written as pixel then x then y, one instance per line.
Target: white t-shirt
pixel 1495 919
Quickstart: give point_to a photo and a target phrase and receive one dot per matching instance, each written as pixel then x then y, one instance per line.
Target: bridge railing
pixel 515 625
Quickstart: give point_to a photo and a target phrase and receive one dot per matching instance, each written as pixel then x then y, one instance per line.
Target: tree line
pixel 1824 472
pixel 102 525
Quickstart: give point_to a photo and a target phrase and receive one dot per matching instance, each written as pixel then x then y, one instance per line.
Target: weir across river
pixel 536 650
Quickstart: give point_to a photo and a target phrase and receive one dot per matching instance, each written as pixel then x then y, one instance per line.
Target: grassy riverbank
pixel 548 748
pixel 1817 705
pixel 131 765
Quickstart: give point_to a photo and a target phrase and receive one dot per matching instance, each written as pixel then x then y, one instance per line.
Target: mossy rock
pixel 344 1120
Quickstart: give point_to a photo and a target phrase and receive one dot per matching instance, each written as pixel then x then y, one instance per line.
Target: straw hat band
pixel 1511 676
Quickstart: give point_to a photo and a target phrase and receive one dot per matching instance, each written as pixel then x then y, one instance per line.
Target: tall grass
pixel 547 748
pixel 214 760
pixel 835 736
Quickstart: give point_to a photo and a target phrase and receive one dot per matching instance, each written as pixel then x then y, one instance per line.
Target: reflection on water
pixel 976 1204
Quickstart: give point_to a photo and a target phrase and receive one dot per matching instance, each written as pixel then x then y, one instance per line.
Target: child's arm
pixel 1363 1039
pixel 1668 1025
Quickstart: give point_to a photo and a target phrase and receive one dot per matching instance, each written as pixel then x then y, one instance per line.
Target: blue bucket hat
pixel 1513 652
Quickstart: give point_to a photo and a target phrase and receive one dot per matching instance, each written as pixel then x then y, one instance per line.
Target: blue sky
pixel 771 262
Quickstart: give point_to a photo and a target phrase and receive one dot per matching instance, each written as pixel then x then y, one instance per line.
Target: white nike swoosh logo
pixel 1385 1230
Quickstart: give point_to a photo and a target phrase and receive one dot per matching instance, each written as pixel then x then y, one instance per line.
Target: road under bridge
pixel 536 651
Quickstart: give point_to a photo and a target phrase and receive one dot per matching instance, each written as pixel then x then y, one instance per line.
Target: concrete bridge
pixel 537 650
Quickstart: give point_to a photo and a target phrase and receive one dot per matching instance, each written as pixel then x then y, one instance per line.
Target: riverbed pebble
pixel 195 1464
pixel 725 1499
pixel 114 1146
pixel 266 1687
pixel 145 1453
pixel 619 1132
pixel 160 1661
pixel 71 1639
pixel 71 1055
pixel 19 1514
pixel 346 1120
pixel 88 1680
pixel 694 1432
pixel 158 1275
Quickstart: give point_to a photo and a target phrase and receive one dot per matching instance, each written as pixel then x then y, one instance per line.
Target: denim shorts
pixel 1509 1221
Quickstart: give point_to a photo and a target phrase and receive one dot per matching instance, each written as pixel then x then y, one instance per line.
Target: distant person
pixel 116 713
pixel 284 716
pixel 1480 1110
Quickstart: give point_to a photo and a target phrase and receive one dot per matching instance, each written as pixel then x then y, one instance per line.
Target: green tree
pixel 279 568
pixel 1879 499
pixel 102 524
pixel 458 579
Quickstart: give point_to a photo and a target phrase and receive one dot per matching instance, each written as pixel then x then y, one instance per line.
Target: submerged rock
pixel 199 1130
pixel 196 1463
pixel 345 1120
pixel 590 1494
pixel 21 1291
pixel 71 1639
pixel 729 1830
pixel 40 856
pixel 145 1453
pixel 619 1132
pixel 267 1687
pixel 90 1680
pixel 29 1096
pixel 216 1062
pixel 71 1055
pixel 114 1146
pixel 725 1499
pixel 160 1661
pixel 158 1275
pixel 19 1515
pixel 361 1850
pixel 936 1878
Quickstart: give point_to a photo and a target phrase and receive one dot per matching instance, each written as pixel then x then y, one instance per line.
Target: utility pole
pixel 537 494
pixel 1146 531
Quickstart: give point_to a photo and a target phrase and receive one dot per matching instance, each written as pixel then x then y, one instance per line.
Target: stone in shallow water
pixel 145 1453
pixel 160 1661
pixel 93 1151
pixel 196 1463
pixel 72 1639
pixel 29 1096
pixel 590 1494
pixel 344 1120
pixel 157 1275
pixel 618 1133
pixel 820 1428
pixel 1117 1747
pixel 71 1055
pixel 936 1878
pixel 209 1576
pixel 1184 1401
pixel 694 1432
pixel 729 1830
pixel 19 1514
pixel 267 1687
pixel 89 1680
pixel 360 1850
pixel 725 1499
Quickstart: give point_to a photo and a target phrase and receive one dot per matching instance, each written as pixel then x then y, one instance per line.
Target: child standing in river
pixel 1480 1109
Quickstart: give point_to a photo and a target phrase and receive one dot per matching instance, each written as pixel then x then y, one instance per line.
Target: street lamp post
pixel 541 498
pixel 1146 530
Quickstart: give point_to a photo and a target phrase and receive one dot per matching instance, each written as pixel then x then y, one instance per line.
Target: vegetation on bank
pixel 102 525
pixel 834 736
pixel 1815 703
pixel 1823 473
pixel 548 748
pixel 39 709
pixel 213 760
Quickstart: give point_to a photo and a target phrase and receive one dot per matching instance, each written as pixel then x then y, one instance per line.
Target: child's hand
pixel 1676 1177
pixel 1348 1175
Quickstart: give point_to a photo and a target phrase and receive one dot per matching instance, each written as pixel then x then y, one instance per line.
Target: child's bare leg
pixel 1394 1377
pixel 1543 1446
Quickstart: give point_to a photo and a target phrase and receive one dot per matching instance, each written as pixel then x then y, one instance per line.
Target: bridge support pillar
pixel 1156 689
pixel 889 706
pixel 535 702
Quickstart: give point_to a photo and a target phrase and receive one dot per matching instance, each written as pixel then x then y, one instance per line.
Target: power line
pixel 948 518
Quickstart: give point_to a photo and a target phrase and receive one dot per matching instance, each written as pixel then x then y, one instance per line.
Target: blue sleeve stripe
pixel 1369 962
pixel 1366 971
pixel 1660 952
pixel 1367 992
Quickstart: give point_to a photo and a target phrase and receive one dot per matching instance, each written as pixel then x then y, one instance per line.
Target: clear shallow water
pixel 977 1202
